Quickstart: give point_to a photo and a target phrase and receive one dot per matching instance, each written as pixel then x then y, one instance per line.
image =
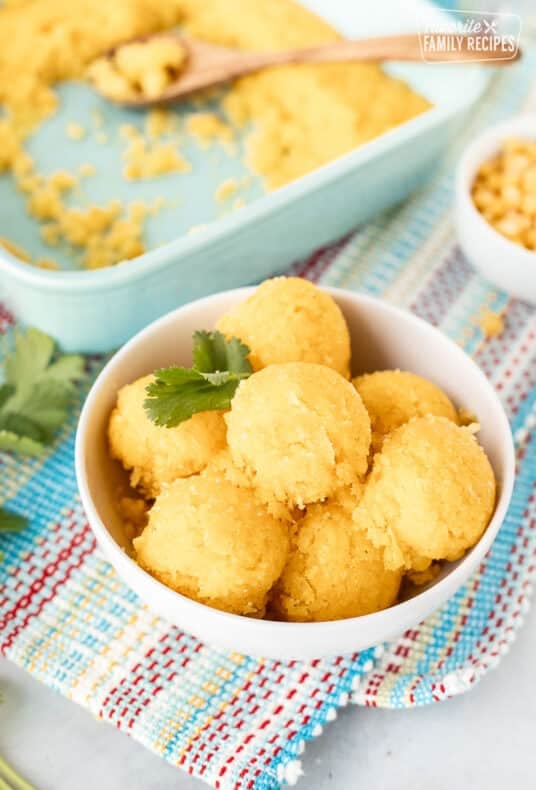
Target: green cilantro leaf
pixel 6 391
pixel 212 352
pixel 11 522
pixel 46 405
pixel 13 442
pixel 178 393
pixel 67 368
pixel 21 426
pixel 36 395
pixel 33 351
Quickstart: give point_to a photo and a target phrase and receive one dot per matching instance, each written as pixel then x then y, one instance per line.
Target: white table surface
pixel 484 739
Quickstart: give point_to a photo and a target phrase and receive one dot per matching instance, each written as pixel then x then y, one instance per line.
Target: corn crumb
pixel 160 122
pixel 104 234
pixel 47 263
pixel 158 204
pixel 207 127
pixel 87 169
pixel 490 322
pixel 62 181
pixel 75 131
pixel 144 159
pixel 226 189
pixel 128 131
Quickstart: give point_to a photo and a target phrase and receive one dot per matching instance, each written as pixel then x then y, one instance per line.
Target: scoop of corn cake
pixel 430 494
pixel 333 570
pixel 140 68
pixel 156 455
pixel 298 431
pixel 392 397
pixel 288 319
pixel 214 542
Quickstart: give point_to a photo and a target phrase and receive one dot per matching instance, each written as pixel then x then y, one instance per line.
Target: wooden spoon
pixel 208 65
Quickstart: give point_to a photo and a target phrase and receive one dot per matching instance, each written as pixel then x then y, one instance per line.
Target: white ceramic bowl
pixel 508 265
pixel 382 337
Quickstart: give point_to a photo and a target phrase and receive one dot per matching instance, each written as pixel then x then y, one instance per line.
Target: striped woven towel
pixel 236 721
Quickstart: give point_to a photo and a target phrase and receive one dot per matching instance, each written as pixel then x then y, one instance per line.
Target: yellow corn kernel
pixel 511 196
pixel 483 198
pixel 512 225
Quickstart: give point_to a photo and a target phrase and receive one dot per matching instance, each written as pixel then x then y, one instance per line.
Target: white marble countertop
pixel 485 739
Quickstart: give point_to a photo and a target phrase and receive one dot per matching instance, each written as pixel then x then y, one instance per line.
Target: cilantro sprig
pixel 177 393
pixel 37 390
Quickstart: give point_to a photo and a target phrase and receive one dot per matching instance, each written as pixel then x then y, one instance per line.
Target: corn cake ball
pixel 333 570
pixel 430 494
pixel 288 319
pixel 298 431
pixel 215 543
pixel 157 455
pixel 392 397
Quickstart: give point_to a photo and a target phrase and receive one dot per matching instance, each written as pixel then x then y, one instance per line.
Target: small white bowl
pixel 382 337
pixel 508 265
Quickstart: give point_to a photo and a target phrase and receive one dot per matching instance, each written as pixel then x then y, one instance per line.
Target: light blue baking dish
pixel 99 310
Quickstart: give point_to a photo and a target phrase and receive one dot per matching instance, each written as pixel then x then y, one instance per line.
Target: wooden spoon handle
pixel 402 47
